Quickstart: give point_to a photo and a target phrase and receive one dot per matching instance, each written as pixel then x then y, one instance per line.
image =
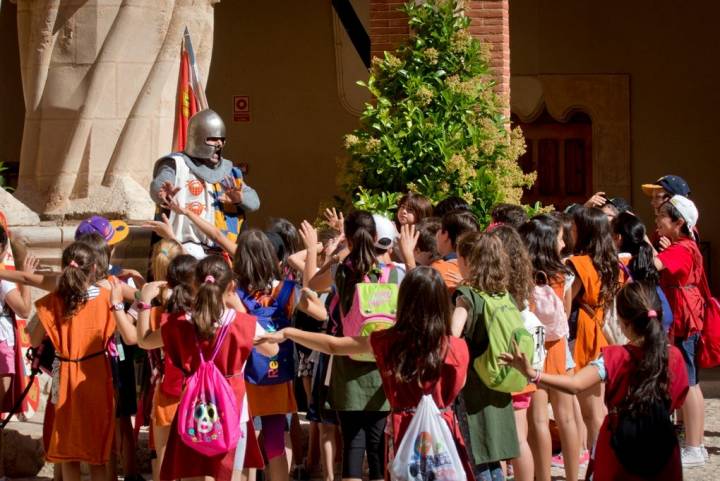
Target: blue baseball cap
pixel 672 184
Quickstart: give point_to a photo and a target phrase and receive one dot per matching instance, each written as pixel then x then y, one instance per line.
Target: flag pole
pixel 194 72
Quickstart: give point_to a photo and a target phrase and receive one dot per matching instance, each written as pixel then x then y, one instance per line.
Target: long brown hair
pixel 422 327
pixel 487 262
pixel 212 277
pixel 594 239
pixel 521 281
pixel 78 263
pixel 360 231
pixel 256 265
pixel 649 384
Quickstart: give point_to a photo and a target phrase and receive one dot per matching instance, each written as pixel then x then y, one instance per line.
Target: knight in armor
pixel 201 180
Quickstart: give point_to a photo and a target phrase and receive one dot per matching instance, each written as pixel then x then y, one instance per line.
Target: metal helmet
pixel 203 125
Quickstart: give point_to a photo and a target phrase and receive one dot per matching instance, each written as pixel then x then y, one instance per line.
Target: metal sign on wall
pixel 241 108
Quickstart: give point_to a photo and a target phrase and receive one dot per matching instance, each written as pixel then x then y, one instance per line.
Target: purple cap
pixel 112 231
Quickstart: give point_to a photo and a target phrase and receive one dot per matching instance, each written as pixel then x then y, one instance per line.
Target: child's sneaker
pixel 706 455
pixel 584 458
pixel 692 457
pixel 558 461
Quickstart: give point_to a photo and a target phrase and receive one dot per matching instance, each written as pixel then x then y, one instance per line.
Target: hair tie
pixel 209 279
pixel 652 314
pixel 73 263
pixel 164 252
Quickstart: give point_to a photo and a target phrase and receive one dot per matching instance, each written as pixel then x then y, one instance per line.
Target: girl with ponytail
pixel 80 319
pixel 644 381
pixel 187 332
pixel 356 389
pixel 171 292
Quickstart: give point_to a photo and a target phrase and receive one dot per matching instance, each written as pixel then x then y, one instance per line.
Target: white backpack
pixel 536 328
pixel 427 450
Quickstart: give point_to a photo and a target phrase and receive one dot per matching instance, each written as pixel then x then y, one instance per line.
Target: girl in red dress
pixel 640 377
pixel 417 356
pixel 215 304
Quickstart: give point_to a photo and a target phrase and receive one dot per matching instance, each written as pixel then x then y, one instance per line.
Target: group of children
pixel 612 306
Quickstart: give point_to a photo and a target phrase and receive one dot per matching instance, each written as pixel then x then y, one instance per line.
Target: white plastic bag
pixel 427 451
pixel 537 329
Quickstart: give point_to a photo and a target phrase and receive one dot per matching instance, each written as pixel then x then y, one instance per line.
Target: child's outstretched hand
pixel 161 228
pixel 116 292
pixel 408 240
pixel 151 290
pixel 30 264
pixel 270 338
pixel 309 236
pixel 518 360
pixel 336 221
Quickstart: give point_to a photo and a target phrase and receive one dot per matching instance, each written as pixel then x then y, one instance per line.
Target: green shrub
pixel 435 125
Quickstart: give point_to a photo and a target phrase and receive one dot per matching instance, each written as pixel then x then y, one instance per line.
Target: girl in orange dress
pixel 596 283
pixel 79 320
pixel 543 235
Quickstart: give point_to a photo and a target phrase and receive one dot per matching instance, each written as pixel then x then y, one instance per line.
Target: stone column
pixel 99 80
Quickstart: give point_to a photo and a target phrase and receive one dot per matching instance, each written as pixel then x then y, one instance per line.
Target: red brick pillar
pixel 388 26
pixel 490 22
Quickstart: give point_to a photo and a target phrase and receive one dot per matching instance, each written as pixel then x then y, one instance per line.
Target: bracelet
pixel 536 379
pixel 142 306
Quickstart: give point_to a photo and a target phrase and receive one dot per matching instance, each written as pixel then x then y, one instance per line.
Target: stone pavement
pixel 710 472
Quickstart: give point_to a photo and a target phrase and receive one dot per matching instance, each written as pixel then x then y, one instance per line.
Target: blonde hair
pixel 163 253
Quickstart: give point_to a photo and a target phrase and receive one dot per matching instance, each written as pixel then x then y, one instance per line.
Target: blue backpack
pixel 280 368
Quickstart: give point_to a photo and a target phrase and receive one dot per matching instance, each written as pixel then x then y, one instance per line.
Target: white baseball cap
pixel 687 210
pixel 386 232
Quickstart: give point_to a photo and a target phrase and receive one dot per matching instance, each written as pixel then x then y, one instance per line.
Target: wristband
pixel 137 294
pixel 536 379
pixel 120 306
pixel 142 306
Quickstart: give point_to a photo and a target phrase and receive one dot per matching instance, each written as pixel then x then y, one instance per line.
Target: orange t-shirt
pixel 590 339
pixel 449 271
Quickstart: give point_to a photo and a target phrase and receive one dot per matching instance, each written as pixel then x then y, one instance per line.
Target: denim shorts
pixel 688 347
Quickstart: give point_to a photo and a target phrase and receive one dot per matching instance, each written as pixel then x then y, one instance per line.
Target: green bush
pixel 435 125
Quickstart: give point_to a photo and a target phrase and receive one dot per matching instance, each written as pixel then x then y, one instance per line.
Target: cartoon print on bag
pixel 206 425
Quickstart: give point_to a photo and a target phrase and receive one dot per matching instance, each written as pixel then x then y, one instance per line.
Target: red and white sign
pixel 241 108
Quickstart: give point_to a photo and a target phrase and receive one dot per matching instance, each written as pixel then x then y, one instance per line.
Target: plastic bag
pixel 427 451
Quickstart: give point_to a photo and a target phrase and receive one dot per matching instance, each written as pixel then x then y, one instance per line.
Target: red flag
pixel 187 104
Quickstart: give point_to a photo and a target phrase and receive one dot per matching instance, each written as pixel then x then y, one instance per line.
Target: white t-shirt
pixel 7 332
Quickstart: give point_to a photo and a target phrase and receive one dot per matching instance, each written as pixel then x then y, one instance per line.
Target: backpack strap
pixel 385 273
pixel 219 338
pixel 285 292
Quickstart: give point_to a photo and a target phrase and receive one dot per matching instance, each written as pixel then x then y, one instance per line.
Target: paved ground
pixel 710 472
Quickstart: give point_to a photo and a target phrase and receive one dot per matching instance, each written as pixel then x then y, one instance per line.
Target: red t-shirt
pixel 680 280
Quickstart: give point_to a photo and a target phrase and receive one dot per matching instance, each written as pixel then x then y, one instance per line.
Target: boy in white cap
pixel 681 275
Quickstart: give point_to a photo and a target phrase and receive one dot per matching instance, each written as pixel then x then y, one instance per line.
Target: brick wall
pixel 490 23
pixel 388 26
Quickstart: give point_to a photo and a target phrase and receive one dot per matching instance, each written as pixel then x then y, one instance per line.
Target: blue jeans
pixel 688 347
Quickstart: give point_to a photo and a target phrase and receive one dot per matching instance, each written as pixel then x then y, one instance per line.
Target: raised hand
pixel 518 360
pixel 116 292
pixel 309 236
pixel 336 221
pixel 408 241
pixel 232 194
pixel 597 200
pixel 151 290
pixel 30 264
pixel 161 228
pixel 167 191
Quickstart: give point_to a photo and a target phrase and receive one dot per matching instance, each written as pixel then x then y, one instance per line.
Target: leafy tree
pixel 435 125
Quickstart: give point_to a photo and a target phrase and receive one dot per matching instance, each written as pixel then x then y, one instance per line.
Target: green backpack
pixel 504 324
